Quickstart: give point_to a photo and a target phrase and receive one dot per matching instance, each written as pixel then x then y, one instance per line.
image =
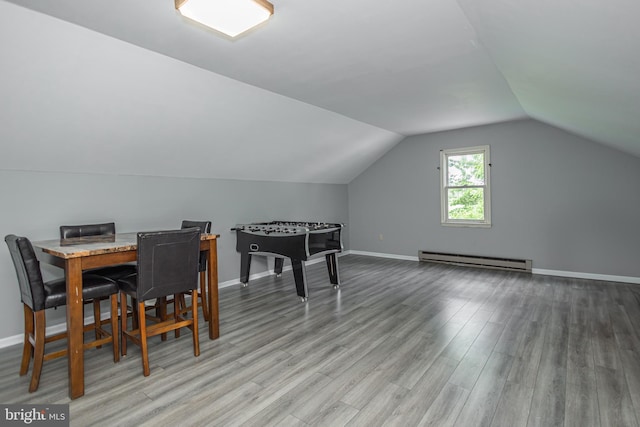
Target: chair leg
pixel 194 310
pixel 161 312
pixel 27 348
pixel 182 304
pixel 115 335
pixel 134 313
pixel 96 319
pixel 123 323
pixel 40 326
pixel 178 306
pixel 203 295
pixel 143 339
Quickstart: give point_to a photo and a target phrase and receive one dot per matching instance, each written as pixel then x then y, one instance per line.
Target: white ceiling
pixel 351 78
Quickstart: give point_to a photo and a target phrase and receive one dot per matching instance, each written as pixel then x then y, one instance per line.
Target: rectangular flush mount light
pixel 230 17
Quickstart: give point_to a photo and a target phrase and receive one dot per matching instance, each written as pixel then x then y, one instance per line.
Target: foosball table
pixel 298 241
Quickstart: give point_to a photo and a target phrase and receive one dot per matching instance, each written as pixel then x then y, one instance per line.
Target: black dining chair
pixel 38 295
pixel 167 265
pixel 88 230
pixel 114 272
pixel 160 305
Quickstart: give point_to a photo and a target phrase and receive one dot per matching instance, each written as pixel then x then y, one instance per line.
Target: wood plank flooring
pixel 400 344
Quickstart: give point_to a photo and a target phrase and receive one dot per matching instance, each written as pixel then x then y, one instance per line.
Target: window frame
pixel 444 187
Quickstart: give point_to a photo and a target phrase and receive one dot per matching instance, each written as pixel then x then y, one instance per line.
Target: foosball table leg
pixel 278 263
pixel 300 277
pixel 332 268
pixel 245 268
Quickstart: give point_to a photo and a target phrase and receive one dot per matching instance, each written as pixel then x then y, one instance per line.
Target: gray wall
pixel 565 202
pixel 84 106
pixel 35 204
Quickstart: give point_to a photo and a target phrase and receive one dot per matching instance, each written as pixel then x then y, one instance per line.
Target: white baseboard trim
pixel 381 255
pixel 236 281
pixel 590 276
pixel 539 271
pixel 12 340
pixel 50 330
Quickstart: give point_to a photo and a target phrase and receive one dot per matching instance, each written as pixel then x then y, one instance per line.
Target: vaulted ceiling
pixel 326 87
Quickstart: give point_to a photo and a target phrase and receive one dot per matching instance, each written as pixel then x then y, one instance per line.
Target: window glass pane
pixel 466 203
pixel 467 169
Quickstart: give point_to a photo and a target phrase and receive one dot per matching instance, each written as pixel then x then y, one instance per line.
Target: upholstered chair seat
pixel 93 287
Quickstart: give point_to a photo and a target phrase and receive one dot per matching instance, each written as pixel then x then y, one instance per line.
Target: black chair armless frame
pixel 37 295
pixel 167 265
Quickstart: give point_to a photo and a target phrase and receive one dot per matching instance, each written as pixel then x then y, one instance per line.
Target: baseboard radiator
pixel 477 261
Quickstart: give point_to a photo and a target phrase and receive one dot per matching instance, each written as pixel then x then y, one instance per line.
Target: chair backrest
pixel 205 227
pixel 72 231
pixel 167 262
pixel 28 271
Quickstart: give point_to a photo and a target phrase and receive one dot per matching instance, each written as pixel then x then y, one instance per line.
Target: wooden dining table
pixel 85 254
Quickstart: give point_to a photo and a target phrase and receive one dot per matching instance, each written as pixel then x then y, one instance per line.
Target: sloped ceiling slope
pixel 572 64
pixel 362 74
pixel 74 100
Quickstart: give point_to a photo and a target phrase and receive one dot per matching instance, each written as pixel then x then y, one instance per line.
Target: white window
pixel 464 186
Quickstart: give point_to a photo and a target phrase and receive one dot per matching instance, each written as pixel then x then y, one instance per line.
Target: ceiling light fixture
pixel 231 17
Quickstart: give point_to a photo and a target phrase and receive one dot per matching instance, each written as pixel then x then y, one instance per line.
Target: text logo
pixel 34 415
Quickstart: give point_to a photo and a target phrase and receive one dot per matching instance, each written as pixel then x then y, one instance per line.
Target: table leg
pixel 75 326
pixel 300 277
pixel 278 263
pixel 214 321
pixel 332 268
pixel 245 267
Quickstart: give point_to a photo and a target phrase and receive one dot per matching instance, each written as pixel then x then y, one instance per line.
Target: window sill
pixel 466 224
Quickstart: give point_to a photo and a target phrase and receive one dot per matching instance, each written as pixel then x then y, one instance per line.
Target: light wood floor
pixel 400 344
